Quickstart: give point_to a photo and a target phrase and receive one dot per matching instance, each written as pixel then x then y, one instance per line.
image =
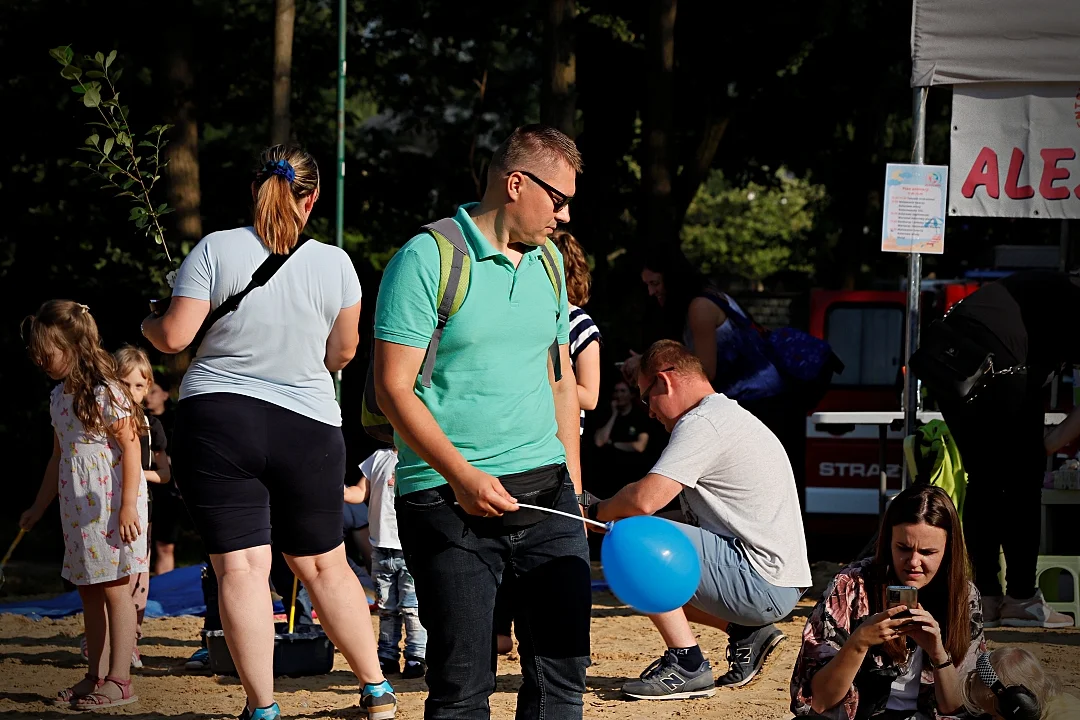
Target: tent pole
pixel 912 401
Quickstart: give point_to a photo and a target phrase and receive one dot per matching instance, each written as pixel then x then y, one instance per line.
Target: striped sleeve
pixel 582 332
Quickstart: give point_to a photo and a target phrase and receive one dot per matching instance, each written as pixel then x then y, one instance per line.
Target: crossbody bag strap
pixel 260 277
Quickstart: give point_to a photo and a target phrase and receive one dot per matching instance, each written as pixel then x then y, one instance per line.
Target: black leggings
pixel 1000 438
pixel 243 465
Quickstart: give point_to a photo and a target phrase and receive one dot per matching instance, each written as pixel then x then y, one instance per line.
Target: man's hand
pixel 481 494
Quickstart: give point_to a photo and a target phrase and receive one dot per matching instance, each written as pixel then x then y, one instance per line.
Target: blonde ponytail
pixel 286 176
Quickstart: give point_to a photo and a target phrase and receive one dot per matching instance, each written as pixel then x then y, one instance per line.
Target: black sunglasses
pixel 648 391
pixel 559 198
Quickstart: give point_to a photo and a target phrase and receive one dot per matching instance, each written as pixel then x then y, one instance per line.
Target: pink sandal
pixel 68 695
pixel 96 700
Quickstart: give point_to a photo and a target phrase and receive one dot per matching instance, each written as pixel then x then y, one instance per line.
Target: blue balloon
pixel 650 564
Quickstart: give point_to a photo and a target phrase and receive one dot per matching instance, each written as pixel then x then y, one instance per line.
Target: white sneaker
pixel 1033 612
pixel 991 608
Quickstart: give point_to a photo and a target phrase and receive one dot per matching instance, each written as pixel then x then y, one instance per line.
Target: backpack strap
pixel 454 270
pixel 260 277
pixel 552 269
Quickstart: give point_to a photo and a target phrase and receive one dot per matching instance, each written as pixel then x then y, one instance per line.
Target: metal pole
pixel 912 401
pixel 339 218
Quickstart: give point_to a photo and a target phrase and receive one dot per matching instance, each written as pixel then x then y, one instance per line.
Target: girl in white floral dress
pixel 96 469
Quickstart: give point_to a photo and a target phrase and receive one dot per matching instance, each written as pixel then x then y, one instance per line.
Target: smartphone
pixel 901 595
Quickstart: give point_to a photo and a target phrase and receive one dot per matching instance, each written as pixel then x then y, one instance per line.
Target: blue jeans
pixel 396 595
pixel 458 561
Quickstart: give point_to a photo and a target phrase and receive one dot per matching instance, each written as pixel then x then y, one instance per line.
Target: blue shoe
pixel 199 661
pixel 267 713
pixel 379 701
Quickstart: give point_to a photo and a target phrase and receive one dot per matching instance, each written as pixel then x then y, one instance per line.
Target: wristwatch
pixel 946 663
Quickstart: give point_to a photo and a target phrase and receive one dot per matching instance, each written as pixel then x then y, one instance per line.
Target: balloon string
pixel 604 526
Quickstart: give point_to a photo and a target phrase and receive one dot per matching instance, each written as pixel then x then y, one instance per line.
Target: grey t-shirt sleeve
pixel 350 282
pixel 194 279
pixel 687 457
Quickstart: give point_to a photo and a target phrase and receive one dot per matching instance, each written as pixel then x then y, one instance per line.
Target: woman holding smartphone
pixel 861 658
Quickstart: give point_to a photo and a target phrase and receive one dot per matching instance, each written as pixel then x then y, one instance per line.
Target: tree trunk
pixel 656 170
pixel 696 168
pixel 284 20
pixel 558 100
pixel 182 152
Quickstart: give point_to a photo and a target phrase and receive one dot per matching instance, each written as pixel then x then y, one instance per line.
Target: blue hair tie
pixel 282 168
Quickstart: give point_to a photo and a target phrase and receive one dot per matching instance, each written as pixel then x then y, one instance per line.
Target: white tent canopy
pixel 989 41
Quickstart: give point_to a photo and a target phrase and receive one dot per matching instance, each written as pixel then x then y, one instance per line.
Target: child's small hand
pixel 129 524
pixel 29 518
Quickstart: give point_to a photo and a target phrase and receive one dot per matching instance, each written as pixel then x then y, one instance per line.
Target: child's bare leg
pixel 140 586
pixel 97 636
pixel 120 609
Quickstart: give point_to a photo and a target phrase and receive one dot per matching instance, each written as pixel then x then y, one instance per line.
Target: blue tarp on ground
pixel 176 593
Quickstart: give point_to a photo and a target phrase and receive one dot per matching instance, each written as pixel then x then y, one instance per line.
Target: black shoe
pixel 746 657
pixel 414 668
pixel 665 679
pixel 389 667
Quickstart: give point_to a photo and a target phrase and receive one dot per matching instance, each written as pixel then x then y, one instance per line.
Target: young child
pixel 1015 667
pixel 95 469
pixel 135 371
pixel 393 583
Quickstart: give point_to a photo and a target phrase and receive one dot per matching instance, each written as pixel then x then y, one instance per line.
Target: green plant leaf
pixel 93 140
pixel 99 58
pixel 124 139
pixel 108 146
pixel 92 97
pixel 166 211
pixel 94 74
pixel 78 89
pixel 109 60
pixel 141 222
pixel 116 75
pixel 127 184
pixel 162 207
pixel 146 143
pixel 71 72
pixel 62 54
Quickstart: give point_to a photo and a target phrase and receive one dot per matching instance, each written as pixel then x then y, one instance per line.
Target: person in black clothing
pixel 166 498
pixel 623 440
pixel 1025 321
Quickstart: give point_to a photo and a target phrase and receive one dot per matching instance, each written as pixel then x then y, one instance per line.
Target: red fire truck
pixel 865 328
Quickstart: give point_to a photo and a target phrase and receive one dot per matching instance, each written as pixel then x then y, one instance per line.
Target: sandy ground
pixel 37 658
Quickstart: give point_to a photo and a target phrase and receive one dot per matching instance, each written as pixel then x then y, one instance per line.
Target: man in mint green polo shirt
pixel 493 428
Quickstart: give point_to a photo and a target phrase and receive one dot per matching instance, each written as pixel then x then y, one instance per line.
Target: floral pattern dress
pixel 90 483
pixel 845 605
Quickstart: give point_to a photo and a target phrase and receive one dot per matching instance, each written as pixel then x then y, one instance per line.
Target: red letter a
pixel 984 171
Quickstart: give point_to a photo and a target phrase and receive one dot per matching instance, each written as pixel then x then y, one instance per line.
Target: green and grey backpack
pixel 454 274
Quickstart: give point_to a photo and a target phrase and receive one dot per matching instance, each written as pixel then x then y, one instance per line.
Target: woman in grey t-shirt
pixel 258 438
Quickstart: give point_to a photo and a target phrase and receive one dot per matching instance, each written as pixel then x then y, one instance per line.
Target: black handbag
pixel 951 364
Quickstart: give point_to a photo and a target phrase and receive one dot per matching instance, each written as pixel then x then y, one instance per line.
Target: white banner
pixel 1014 150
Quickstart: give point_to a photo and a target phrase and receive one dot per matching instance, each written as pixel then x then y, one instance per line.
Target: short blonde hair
pixel 1014 666
pixel 671 354
pixel 535 146
pixel 129 358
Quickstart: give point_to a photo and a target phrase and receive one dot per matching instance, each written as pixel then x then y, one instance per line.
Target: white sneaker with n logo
pixel 665 679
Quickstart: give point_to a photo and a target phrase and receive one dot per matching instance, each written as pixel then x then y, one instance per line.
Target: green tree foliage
pixel 753 230
pixel 113 145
